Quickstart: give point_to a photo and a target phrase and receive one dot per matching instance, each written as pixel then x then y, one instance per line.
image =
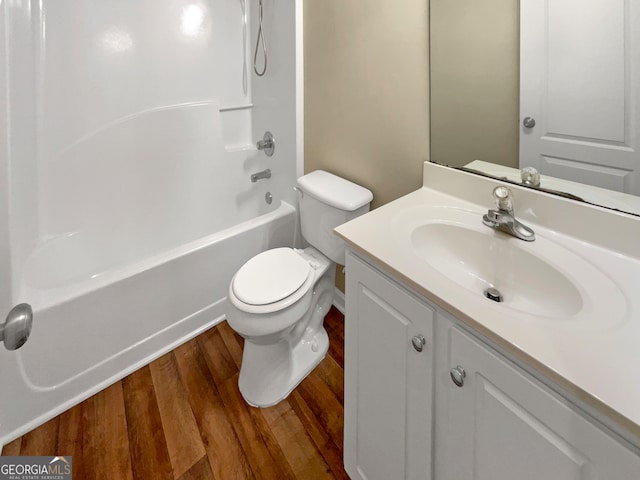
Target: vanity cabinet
pixel 458 410
pixel 388 378
pixel 497 422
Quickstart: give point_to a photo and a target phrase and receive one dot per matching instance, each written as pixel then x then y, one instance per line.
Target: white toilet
pixel 277 300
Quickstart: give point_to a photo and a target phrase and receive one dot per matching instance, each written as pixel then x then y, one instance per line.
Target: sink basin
pixel 478 260
pixel 542 279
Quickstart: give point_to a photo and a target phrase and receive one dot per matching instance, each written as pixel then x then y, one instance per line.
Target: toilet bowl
pixel 284 337
pixel 277 300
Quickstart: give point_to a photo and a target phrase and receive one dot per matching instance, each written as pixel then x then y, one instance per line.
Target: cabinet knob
pixel 458 375
pixel 418 342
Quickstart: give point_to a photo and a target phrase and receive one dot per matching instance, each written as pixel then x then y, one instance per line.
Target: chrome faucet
pixel 260 175
pixel 504 219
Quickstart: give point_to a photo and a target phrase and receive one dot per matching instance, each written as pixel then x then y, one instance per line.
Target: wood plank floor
pixel 182 417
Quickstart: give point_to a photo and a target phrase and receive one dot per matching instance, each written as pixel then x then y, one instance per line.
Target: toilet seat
pixel 271 280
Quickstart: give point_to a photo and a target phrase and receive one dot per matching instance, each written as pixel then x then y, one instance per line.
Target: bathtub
pixel 125 196
pixel 95 332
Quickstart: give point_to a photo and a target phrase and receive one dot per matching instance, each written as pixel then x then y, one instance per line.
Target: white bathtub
pixel 100 331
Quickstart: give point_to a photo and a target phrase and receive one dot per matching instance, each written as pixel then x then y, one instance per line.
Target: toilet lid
pixel 270 276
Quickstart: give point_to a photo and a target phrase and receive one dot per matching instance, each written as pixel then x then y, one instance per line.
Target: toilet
pixel 277 300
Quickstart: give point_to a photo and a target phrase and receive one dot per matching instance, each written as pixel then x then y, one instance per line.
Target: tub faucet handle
pixel 268 144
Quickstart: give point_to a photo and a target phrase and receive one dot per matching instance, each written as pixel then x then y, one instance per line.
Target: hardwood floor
pixel 183 418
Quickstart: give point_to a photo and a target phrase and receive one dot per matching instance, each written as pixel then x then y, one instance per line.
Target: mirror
pixel 556 92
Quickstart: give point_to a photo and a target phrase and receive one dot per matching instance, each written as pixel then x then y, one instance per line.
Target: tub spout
pixel 260 175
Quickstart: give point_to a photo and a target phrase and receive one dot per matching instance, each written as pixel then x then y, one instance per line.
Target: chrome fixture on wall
pixel 245 75
pixel 268 144
pixel 260 38
pixel 15 331
pixel 260 175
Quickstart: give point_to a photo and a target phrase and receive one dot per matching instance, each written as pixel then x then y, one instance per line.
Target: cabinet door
pixel 388 382
pixel 502 424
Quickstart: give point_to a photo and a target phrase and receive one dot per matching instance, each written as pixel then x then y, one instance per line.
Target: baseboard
pixel 338 300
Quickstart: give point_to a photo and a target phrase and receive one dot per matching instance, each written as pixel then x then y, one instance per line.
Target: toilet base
pixel 265 387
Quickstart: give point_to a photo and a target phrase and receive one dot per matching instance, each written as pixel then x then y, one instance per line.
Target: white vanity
pixel 443 383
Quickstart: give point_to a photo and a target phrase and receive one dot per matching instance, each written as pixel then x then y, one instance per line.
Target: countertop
pixel 597 360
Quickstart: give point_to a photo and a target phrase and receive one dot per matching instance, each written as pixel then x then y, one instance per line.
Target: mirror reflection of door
pixel 579 90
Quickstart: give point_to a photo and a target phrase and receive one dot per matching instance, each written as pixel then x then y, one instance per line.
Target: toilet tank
pixel 327 201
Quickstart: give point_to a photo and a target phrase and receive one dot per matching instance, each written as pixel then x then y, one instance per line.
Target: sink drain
pixel 493 294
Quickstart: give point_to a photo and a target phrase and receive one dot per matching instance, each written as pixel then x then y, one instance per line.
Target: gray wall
pixel 367 92
pixel 474 81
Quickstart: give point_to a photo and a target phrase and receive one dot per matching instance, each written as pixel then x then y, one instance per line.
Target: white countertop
pixel 596 358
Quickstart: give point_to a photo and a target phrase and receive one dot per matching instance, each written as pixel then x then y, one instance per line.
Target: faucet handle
pixel 530 176
pixel 504 198
pixel 268 144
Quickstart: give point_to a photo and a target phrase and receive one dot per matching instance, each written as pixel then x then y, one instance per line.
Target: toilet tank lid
pixel 334 191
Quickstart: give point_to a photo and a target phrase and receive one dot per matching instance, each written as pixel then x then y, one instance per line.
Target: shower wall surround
pixel 128 134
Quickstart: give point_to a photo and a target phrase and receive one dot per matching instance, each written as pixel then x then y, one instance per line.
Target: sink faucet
pixel 260 175
pixel 504 219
